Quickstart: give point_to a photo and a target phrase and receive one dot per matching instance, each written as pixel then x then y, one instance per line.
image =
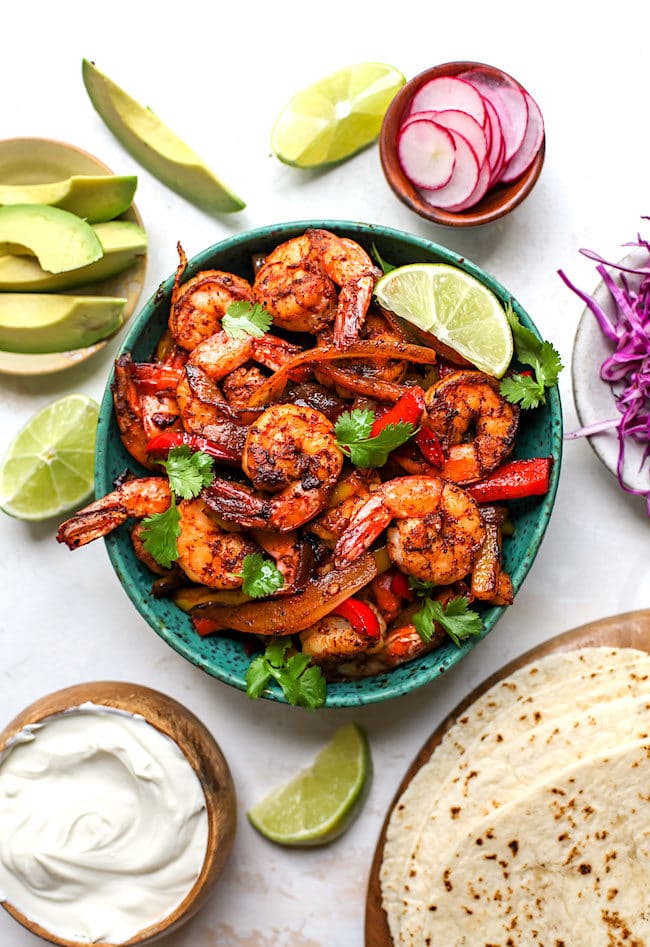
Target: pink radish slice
pixel 427 153
pixel 449 92
pixel 482 186
pixel 508 99
pixel 461 122
pixel 496 145
pixel 499 166
pixel 525 155
pixel 463 180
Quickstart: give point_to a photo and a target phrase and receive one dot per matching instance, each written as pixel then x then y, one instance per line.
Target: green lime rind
pixel 322 801
pixel 49 466
pixel 335 117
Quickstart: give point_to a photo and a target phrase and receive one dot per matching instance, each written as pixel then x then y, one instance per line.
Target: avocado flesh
pixel 156 147
pixel 122 242
pixel 95 198
pixel 37 324
pixel 60 241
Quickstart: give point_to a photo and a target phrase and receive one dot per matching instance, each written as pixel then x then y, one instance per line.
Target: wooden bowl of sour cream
pixel 116 797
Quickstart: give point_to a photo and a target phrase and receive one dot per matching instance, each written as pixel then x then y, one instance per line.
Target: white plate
pixel 593 397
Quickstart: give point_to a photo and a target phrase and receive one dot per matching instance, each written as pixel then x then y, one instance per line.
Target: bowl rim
pixel 513 193
pixel 345 693
pixel 199 749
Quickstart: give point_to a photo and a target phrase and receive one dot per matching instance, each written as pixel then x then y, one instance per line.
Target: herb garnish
pixel 544 359
pixel 261 576
pixel 188 473
pixel 353 435
pixel 243 320
pixel 456 617
pixel 303 685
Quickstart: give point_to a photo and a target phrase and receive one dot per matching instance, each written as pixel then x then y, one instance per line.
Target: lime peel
pixel 320 802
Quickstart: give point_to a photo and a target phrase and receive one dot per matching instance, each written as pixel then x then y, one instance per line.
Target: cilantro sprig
pixel 302 683
pixel 456 617
pixel 354 438
pixel 385 266
pixel 261 576
pixel 188 472
pixel 530 390
pixel 243 320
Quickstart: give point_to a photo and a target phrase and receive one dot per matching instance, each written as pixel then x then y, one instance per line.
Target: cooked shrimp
pixel 476 426
pixel 292 452
pixel 210 362
pixel 199 305
pixel 333 639
pixel 297 284
pixel 436 536
pixel 208 554
pixel 349 495
pixel 142 414
pixel 293 557
pixel 135 498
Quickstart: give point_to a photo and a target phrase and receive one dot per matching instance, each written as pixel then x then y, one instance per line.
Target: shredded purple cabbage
pixel 627 369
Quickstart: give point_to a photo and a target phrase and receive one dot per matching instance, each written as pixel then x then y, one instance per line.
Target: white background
pixel 218 74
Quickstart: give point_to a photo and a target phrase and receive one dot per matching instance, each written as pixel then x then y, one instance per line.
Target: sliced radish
pixel 461 122
pixel 449 92
pixel 497 148
pixel 525 154
pixel 481 189
pixel 463 180
pixel 508 99
pixel 427 153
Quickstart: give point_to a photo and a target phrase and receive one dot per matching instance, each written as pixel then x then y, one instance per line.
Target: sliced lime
pixel 320 802
pixel 48 468
pixel 336 116
pixel 454 307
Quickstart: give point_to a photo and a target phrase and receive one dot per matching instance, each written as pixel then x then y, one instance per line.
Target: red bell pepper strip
pixel 152 378
pixel 361 617
pixel 205 626
pixel 407 409
pixel 163 443
pixel 430 446
pixel 519 478
pixel 399 585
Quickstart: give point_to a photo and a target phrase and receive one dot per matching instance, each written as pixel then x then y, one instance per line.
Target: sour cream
pixel 103 824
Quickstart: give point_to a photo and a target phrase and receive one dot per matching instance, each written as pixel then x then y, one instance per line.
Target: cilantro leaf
pixel 353 436
pixel 261 576
pixel 160 532
pixel 244 319
pixel 420 586
pixel 386 267
pixel 188 471
pixel 542 357
pixel 456 618
pixel 257 677
pixel 302 683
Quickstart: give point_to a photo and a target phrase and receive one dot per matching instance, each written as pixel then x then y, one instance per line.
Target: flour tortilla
pixel 548 689
pixel 565 864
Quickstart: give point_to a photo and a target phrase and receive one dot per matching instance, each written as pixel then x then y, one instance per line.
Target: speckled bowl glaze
pixel 223 657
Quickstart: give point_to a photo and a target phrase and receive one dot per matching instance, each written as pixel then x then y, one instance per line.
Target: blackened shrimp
pixel 474 423
pixel 436 530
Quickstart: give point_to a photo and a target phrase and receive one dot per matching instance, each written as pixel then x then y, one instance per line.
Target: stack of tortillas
pixel 530 824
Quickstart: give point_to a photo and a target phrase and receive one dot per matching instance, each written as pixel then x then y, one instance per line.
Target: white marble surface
pixel 218 74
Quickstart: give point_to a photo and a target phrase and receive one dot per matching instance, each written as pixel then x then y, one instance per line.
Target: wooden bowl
pixel 498 201
pixel 204 756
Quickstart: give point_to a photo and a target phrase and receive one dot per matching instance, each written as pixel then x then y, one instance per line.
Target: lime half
pixel 320 802
pixel 455 307
pixel 336 116
pixel 48 468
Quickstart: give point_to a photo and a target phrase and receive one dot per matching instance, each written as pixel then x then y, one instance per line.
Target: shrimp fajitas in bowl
pixel 303 492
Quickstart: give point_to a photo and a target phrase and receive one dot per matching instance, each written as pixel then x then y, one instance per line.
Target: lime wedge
pixel 454 307
pixel 156 147
pixel 336 116
pixel 48 468
pixel 320 802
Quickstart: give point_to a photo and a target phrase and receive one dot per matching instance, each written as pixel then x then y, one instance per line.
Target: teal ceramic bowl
pixel 224 658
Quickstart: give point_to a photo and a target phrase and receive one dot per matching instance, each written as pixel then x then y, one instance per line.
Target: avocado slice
pixel 60 240
pixel 122 242
pixel 95 197
pixel 35 323
pixel 156 147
